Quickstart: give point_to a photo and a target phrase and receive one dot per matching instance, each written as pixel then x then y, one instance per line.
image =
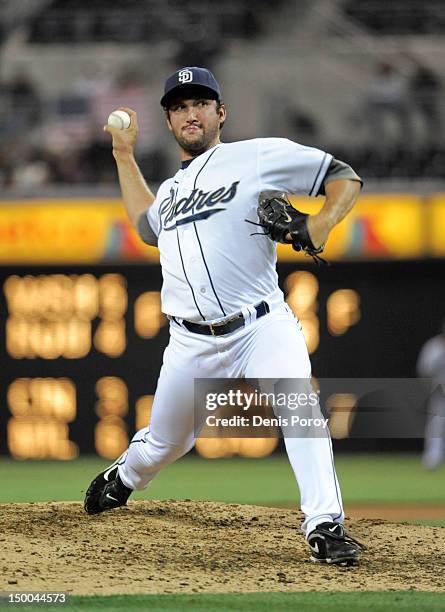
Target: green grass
pixel 378 601
pixel 389 479
pixel 429 522
pixel 364 479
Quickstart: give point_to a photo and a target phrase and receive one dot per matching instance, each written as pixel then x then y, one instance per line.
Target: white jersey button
pixel 203 289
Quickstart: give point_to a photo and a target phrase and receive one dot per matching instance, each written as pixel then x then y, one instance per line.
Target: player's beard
pixel 195 144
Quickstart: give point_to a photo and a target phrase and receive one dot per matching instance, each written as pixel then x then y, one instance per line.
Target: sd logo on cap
pixel 190 77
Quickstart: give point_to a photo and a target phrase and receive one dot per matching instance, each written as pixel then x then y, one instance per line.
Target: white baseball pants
pixel 272 346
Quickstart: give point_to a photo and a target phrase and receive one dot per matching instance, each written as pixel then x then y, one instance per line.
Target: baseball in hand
pixel 119 119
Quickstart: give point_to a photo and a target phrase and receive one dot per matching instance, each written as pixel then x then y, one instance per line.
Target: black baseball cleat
pixel 107 491
pixel 330 543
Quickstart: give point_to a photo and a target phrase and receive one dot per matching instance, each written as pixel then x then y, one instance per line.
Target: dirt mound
pixel 185 546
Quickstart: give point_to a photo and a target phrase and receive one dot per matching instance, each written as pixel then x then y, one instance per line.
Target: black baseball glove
pixel 278 218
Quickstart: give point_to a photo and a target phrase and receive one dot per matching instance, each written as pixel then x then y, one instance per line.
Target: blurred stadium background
pixel 81 332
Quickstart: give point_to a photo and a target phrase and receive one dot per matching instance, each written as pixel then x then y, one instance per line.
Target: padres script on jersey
pixel 214 260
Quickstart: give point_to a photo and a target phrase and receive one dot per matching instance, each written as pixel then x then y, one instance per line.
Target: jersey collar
pixel 186 163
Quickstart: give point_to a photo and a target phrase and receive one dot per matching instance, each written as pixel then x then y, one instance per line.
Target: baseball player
pixel 216 223
pixel 431 364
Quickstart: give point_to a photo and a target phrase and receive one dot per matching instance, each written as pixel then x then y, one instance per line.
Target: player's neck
pixel 189 155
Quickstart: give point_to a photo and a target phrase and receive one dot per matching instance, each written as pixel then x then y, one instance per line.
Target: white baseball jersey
pixel 214 260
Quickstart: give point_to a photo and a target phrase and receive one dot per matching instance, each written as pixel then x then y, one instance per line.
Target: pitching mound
pixel 184 546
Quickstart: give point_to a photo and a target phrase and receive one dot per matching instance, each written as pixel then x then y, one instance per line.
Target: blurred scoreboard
pixel 81 346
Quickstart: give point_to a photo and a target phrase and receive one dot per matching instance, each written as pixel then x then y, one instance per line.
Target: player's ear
pixel 222 112
pixel 167 119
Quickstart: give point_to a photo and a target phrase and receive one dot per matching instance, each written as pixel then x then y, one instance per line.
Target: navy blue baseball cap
pixel 190 77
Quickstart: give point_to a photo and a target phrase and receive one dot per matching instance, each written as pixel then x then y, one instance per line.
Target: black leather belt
pixel 225 327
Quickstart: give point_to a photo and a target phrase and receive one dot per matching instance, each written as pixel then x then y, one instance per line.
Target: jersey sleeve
pixel 153 217
pixel 148 225
pixel 152 213
pixel 291 167
pixel 338 170
pixel 145 230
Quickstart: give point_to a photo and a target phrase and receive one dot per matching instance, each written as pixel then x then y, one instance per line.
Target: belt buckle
pixel 222 324
pixel 212 330
pixel 213 325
